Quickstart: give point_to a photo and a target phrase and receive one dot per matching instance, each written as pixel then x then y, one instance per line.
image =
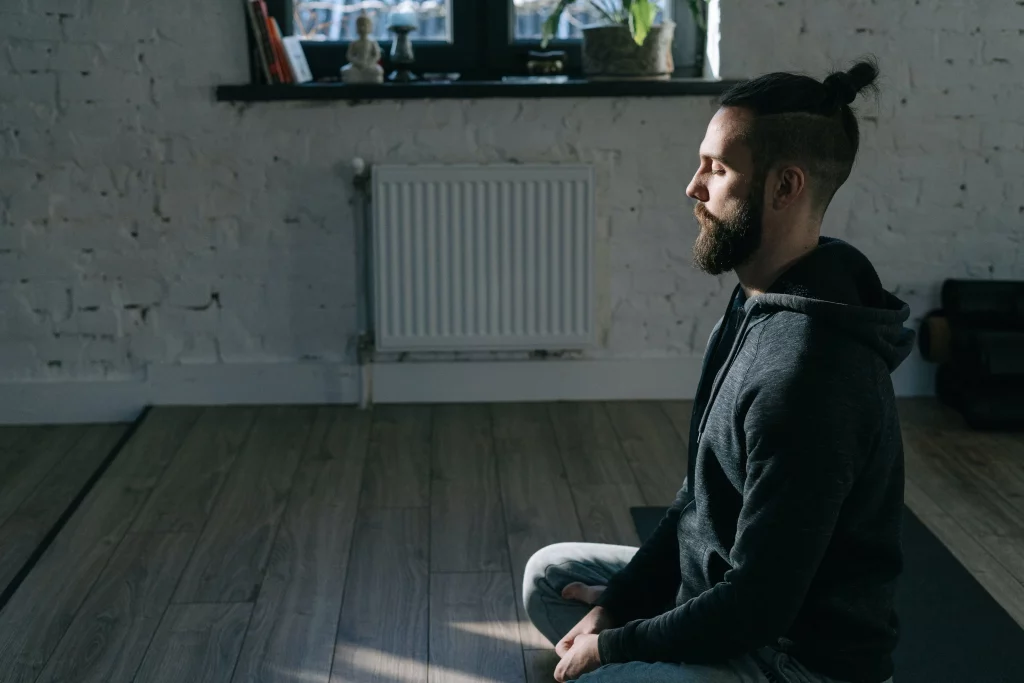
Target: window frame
pixel 483 47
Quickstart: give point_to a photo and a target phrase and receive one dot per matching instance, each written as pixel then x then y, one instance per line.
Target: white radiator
pixel 483 257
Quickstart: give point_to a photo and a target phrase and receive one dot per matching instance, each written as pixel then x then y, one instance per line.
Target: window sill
pixel 674 87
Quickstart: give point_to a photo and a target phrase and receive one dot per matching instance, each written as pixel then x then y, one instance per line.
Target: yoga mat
pixel 951 629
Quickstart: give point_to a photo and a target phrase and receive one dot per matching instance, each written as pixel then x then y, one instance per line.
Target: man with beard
pixel 779 558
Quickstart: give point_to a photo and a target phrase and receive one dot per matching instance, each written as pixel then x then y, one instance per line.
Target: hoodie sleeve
pixel 646 585
pixel 804 434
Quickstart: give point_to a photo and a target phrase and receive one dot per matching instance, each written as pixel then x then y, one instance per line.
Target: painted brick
pixel 25 26
pixel 37 87
pixel 18 359
pixel 189 294
pixel 102 86
pixel 133 173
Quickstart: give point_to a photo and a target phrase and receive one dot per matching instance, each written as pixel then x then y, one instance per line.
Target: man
pixel 779 558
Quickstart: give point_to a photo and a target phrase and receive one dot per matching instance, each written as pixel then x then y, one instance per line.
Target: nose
pixel 696 189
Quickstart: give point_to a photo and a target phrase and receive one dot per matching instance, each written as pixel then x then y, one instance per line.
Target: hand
pixel 597 619
pixel 583 657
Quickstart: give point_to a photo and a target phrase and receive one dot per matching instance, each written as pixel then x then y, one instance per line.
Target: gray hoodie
pixel 790 534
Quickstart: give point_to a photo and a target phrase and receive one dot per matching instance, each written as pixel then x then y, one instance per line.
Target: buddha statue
pixel 363 56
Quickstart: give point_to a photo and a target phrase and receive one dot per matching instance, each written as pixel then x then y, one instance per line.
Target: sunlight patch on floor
pixel 499 630
pixel 386 666
pixel 298 675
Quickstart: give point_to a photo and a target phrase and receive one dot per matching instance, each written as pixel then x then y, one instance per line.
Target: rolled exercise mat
pixel 993 304
pixel 985 402
pixel 991 353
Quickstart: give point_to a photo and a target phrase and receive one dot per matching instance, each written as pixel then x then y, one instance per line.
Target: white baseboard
pixel 254 384
pixel 548 380
pixel 122 400
pixel 569 380
pixel 62 402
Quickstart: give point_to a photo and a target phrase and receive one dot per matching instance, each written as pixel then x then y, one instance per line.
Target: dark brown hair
pixel 800 120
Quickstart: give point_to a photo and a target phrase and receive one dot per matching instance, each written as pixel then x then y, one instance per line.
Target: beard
pixel 728 242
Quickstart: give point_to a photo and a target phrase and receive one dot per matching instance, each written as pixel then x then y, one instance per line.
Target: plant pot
pixel 609 52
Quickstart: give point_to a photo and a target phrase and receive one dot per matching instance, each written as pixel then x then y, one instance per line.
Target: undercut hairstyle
pixel 806 122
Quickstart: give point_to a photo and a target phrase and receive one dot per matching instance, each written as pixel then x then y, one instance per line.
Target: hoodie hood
pixel 837 285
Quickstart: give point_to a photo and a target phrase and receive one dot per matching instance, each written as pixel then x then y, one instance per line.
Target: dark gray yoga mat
pixel 951 629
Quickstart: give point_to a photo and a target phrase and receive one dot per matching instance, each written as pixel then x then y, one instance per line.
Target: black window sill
pixel 674 87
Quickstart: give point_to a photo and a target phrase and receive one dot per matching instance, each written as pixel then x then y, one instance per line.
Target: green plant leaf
pixel 641 13
pixel 551 23
pixel 697 14
pixel 608 11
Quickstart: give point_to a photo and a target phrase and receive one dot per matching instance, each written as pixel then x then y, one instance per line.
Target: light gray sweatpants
pixel 553 568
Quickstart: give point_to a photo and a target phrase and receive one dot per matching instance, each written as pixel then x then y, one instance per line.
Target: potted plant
pixel 628 44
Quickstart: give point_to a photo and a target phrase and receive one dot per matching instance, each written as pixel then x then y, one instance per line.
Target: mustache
pixel 702 213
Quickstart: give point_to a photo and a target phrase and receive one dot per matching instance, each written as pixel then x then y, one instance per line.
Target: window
pixel 529 17
pixel 479 39
pixel 321 20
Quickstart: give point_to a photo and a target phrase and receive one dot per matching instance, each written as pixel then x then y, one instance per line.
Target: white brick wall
pixel 143 223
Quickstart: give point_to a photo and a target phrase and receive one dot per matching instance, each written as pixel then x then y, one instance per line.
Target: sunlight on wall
pixel 712 59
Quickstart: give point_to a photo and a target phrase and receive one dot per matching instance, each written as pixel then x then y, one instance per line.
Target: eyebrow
pixel 715 157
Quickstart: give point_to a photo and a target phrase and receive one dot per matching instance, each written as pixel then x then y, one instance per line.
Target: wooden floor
pixel 329 544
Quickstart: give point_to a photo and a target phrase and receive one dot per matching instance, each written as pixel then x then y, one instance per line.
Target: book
pixel 282 60
pixel 297 59
pixel 257 34
pixel 263 17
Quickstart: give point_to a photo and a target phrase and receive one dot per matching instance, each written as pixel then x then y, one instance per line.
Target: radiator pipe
pixel 361 175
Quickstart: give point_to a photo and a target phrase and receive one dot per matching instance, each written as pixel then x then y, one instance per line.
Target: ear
pixel 790 186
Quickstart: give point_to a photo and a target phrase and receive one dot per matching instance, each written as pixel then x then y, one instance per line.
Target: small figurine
pixel 363 56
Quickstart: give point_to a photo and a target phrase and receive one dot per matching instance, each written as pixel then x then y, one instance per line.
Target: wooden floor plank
pixel 540 665
pixel 467 521
pixel 186 493
pixel 103 589
pixel 26 460
pixel 398 464
pixel 1007 590
pixel 679 414
pixel 995 461
pixel 156 442
pixel 196 643
pixel 10 435
pixel 66 572
pixel 653 448
pixel 383 629
pixel 589 447
pixel 941 478
pixel 231 555
pixel 602 482
pixel 473 633
pixel 604 512
pixel 107 639
pixel 538 502
pixel 29 524
pixel 296 617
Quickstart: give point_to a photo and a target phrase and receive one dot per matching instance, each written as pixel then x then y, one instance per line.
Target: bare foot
pixel 582 592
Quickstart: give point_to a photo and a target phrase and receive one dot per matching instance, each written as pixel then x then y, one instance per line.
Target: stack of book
pixel 281 60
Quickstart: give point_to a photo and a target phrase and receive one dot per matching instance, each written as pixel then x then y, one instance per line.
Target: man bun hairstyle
pixel 800 120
